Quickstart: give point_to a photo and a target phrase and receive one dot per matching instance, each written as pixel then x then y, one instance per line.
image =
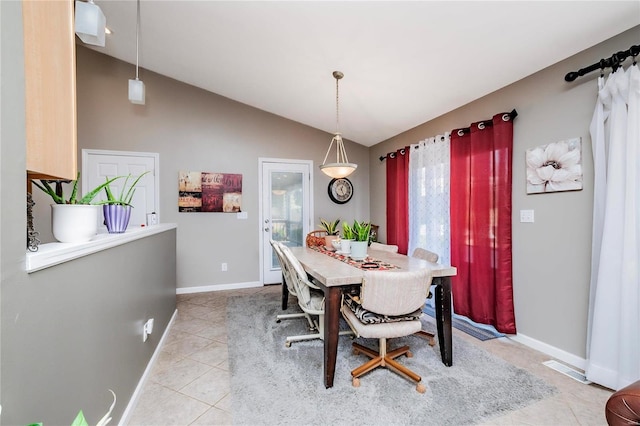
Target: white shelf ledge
pixel 56 253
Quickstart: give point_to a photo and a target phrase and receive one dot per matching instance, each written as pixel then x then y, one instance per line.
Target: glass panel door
pixel 286 211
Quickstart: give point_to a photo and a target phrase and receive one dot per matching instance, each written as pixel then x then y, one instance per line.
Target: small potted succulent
pixel 73 219
pixel 117 210
pixel 333 233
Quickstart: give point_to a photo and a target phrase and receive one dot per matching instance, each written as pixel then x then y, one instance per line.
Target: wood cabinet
pixel 50 89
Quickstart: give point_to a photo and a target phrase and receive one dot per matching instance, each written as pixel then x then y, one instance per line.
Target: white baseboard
pixel 147 371
pixel 217 287
pixel 564 356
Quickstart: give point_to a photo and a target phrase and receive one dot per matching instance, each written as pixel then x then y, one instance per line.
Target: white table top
pixel 333 272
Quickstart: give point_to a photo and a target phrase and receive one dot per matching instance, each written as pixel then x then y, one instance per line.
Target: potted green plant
pixel 332 232
pixel 73 219
pixel 347 238
pixel 361 234
pixel 117 210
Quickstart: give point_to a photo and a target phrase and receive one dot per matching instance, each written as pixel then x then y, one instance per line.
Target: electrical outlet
pixel 223 267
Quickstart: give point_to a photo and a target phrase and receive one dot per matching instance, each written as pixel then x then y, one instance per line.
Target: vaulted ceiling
pixel 404 62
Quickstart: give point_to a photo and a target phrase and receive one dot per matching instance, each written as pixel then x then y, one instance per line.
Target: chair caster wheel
pixel 287 344
pixel 421 388
pixel 356 382
pixel 278 321
pixel 354 351
pixel 409 354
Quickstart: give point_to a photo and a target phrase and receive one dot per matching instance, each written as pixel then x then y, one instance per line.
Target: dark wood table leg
pixel 332 296
pixel 285 294
pixel 443 319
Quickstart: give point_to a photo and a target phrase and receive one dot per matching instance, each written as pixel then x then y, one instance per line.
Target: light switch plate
pixel 526 216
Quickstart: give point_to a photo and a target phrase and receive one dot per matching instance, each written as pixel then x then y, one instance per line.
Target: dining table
pixel 337 274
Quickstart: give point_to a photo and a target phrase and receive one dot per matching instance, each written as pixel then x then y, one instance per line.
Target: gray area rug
pixel 275 385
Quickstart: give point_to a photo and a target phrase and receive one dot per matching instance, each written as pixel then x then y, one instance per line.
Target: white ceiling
pixel 404 62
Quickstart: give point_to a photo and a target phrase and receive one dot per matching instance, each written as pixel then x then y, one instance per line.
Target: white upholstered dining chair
pixel 385 247
pixel 288 282
pixel 425 254
pixel 310 299
pixel 432 257
pixel 389 305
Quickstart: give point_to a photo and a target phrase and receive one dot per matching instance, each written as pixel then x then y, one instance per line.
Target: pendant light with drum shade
pixel 136 87
pixel 342 167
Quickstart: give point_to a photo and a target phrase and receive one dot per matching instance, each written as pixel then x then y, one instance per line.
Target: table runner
pixel 361 264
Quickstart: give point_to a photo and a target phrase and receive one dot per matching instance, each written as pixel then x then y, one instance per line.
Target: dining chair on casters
pixel 310 299
pixel 390 305
pixel 392 248
pixel 432 257
pixel 288 282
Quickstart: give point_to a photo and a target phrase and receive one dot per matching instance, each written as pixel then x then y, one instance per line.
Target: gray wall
pixel 68 333
pixel 12 167
pixel 79 331
pixel 551 257
pixel 196 130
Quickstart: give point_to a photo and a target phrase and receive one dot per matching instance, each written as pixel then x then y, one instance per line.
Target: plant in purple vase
pixel 117 209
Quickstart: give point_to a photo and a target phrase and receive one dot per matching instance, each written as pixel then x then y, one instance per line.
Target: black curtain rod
pixel 513 114
pixel 612 62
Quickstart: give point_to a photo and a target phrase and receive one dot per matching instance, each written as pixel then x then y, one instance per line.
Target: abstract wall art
pixel 209 192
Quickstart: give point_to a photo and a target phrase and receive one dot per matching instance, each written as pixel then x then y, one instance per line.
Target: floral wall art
pixel 209 192
pixel 555 167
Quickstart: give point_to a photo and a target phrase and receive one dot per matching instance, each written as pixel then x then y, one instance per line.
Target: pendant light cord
pixel 137 36
pixel 337 107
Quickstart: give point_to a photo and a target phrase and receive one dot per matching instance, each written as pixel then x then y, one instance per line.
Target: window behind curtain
pixel 429 197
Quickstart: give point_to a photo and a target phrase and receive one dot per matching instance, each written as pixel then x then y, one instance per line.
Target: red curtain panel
pixel 480 213
pixel 398 199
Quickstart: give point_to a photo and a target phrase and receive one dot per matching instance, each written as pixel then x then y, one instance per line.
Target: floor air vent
pixel 567 371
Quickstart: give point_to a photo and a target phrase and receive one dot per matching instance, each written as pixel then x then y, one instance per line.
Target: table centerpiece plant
pixel 361 233
pixel 333 233
pixel 347 238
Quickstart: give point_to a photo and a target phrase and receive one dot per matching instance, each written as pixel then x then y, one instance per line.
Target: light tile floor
pixel 190 382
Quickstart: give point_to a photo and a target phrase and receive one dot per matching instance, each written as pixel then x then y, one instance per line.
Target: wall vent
pixel 567 371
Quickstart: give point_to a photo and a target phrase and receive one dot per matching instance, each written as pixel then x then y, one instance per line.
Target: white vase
pixel 359 250
pixel 345 246
pixel 74 223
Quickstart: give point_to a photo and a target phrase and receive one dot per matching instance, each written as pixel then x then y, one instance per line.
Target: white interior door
pixel 97 165
pixel 286 206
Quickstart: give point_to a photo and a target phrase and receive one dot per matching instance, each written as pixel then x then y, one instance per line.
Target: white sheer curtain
pixel 613 338
pixel 429 197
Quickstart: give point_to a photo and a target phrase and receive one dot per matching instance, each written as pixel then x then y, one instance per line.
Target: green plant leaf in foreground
pixel 80 420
